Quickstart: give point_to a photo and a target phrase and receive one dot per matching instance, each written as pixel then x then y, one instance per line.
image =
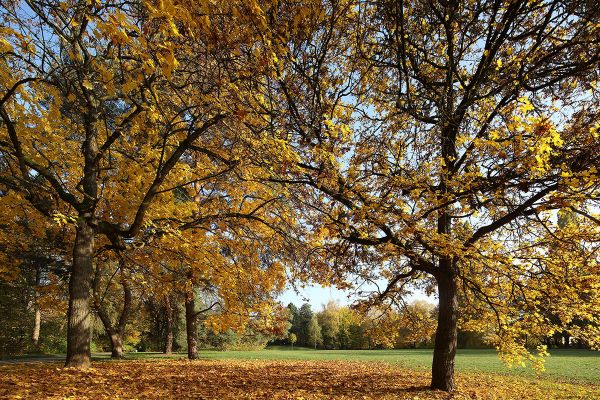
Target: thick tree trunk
pixel 191 326
pixel 446 335
pixel 116 341
pixel 169 337
pixel 79 318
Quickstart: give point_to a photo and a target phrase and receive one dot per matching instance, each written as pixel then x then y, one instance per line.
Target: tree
pixel 32 276
pixel 114 330
pixel 329 322
pixel 419 321
pixel 293 319
pixel 432 144
pixel 313 334
pixel 305 315
pixel 110 112
pixel 170 325
pixel 292 338
pixel 71 108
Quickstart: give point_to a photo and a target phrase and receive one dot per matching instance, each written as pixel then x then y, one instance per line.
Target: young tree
pixel 292 339
pixel 32 268
pixel 431 143
pixel 313 334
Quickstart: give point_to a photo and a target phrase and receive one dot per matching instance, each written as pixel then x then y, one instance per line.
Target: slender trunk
pixel 191 320
pixel 169 338
pixel 79 318
pixel 446 335
pixel 35 335
pixel 191 326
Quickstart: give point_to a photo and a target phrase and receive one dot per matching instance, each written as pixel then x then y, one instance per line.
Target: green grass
pixel 568 365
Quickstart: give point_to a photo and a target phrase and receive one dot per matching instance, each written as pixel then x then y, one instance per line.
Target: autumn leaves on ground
pixel 236 379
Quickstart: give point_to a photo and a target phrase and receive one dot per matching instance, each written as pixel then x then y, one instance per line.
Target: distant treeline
pixel 33 320
pixel 341 327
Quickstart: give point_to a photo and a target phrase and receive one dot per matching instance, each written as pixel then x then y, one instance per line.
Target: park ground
pixel 280 373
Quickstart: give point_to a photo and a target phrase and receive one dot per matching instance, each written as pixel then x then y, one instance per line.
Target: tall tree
pixel 110 111
pixel 305 315
pixel 329 321
pixel 314 337
pixel 431 143
pixel 78 99
pixel 294 319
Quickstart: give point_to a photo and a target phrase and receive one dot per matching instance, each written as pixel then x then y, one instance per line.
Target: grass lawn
pixel 564 365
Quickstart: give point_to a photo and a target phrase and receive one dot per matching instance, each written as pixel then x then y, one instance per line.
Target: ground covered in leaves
pixel 210 379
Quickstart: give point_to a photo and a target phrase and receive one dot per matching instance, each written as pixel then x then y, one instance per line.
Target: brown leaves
pixel 260 380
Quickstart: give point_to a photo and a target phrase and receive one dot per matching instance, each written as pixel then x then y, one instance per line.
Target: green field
pixel 568 365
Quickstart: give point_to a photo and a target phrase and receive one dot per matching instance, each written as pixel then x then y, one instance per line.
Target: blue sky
pixel 318 295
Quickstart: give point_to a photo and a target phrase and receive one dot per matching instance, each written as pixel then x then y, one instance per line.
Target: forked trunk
pixel 79 318
pixel 446 335
pixel 191 326
pixel 114 332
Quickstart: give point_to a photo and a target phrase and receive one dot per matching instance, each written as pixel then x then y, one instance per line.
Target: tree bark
pixel 115 333
pixel 79 318
pixel 191 326
pixel 35 335
pixel 169 337
pixel 116 341
pixel 37 322
pixel 442 370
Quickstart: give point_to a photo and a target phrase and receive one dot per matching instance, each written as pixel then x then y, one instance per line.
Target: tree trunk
pixel 114 333
pixel 446 335
pixel 116 341
pixel 191 326
pixel 35 335
pixel 79 318
pixel 169 338
pixel 37 322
